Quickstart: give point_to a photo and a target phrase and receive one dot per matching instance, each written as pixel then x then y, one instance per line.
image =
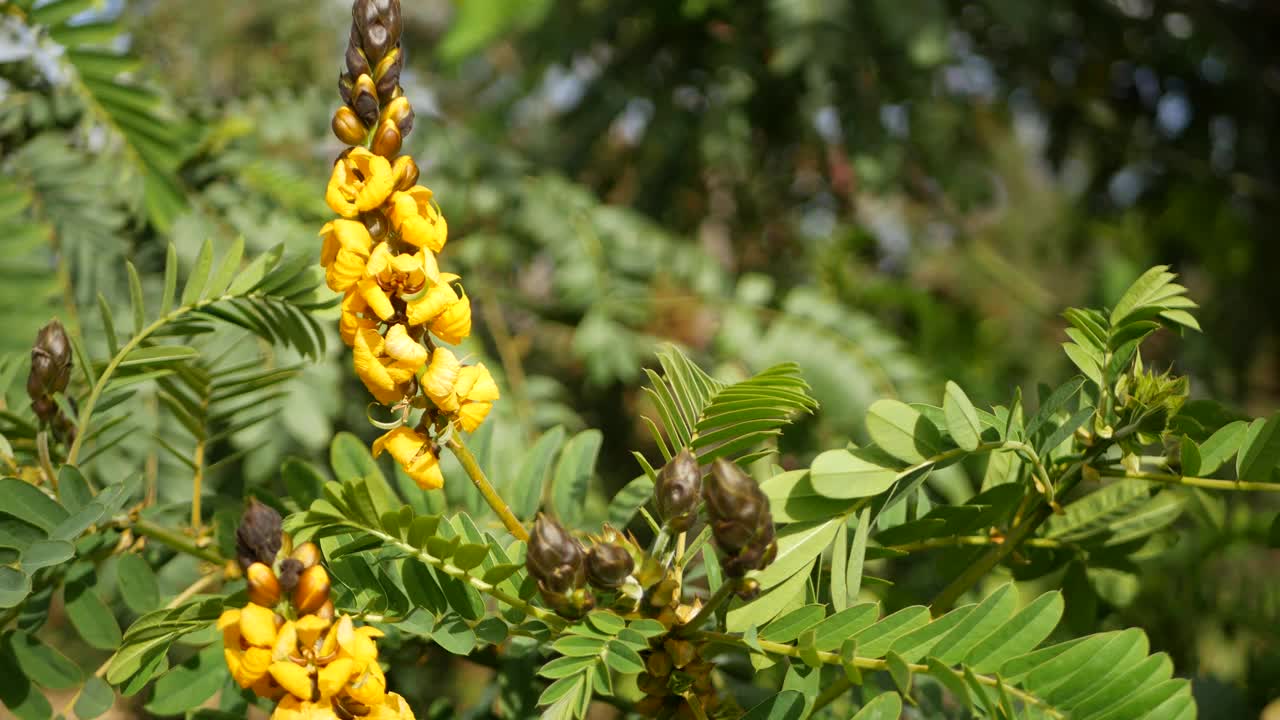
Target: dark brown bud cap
pixel 609 565
pixel 357 63
pixel 258 538
pixel 364 99
pixel 555 558
pixel 676 494
pixel 405 171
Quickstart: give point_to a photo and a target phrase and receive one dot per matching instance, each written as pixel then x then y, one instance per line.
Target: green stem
pixel 1208 483
pixel 830 658
pixel 171 538
pixel 490 495
pixel 972 540
pixel 550 618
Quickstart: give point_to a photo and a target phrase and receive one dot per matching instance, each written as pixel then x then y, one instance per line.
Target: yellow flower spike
pixel 258 625
pixel 440 377
pixel 371 687
pixel 404 348
pixel 309 629
pixel 291 708
pixel 293 678
pixel 418 220
pixel 360 182
pixel 454 324
pixel 345 252
pixel 334 676
pixel 412 452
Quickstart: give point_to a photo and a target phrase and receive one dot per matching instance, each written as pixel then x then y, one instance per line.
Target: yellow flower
pixel 354 318
pixel 419 461
pixel 248 637
pixel 387 274
pixel 439 379
pixel 403 348
pixel 476 392
pixel 361 181
pixel 345 253
pixel 418 220
pixel 393 708
pixel 291 708
pixel 382 374
pixel 446 315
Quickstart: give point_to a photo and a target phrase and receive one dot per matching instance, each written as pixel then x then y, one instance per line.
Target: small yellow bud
pixel 307 553
pixel 348 127
pixel 326 611
pixel 405 172
pixel 264 589
pixel 312 591
pixel 364 99
pixel 400 112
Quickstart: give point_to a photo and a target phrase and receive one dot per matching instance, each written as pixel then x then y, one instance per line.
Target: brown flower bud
pixel 346 86
pixel 740 519
pixel 258 537
pixel 312 591
pixel 658 664
pixel 405 171
pixel 379 25
pixel 348 127
pixel 50 369
pixel 290 571
pixel 307 553
pixel 386 142
pixel 653 685
pixel 264 589
pixel 376 223
pixel 387 75
pixel 399 111
pixel 364 99
pixel 682 652
pixel 357 63
pixel 609 565
pixel 555 558
pixel 676 493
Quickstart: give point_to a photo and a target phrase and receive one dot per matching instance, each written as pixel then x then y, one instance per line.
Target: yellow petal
pixel 402 347
pixel 309 629
pixel 292 708
pixel 372 372
pixel 357 646
pixel 229 617
pixel 293 678
pixel 286 642
pixel 258 625
pixel 250 666
pixel 334 676
pixel 418 220
pixel 346 270
pixel 476 384
pixel 329 250
pixel 454 323
pixel 433 302
pixel 378 300
pixel 471 414
pixel 425 471
pixel 268 688
pixel 340 194
pixel 371 687
pixel 393 707
pixel 440 377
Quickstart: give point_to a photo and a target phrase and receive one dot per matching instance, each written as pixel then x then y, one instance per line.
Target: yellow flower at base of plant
pixel 418 220
pixel 345 253
pixel 413 452
pixel 386 275
pixel 445 314
pixel 476 392
pixel 439 379
pixel 382 374
pixel 248 639
pixel 360 182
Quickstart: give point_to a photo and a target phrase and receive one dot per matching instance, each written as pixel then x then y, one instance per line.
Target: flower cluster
pixel 286 644
pixel 381 254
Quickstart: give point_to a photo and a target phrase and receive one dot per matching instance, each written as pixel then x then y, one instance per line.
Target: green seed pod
pixel 676 494
pixel 609 565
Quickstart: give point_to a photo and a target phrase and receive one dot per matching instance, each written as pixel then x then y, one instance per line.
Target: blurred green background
pixel 891 192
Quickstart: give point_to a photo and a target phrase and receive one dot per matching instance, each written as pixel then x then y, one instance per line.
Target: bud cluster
pixel 287 645
pixel 676 673
pixel 566 572
pixel 381 254
pixel 50 374
pixel 740 519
